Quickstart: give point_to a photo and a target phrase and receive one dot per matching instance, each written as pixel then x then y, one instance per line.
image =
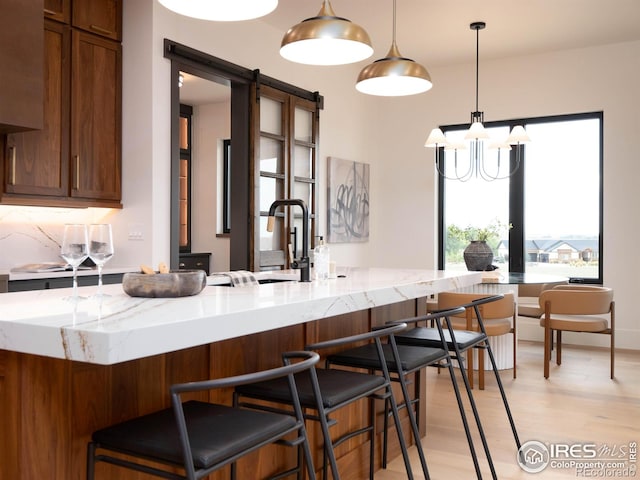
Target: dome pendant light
pixel 394 75
pixel 326 40
pixel 221 10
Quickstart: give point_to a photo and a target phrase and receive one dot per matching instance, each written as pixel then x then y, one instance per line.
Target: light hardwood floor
pixel 578 403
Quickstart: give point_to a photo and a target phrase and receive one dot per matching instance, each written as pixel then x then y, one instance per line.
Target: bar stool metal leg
pixel 503 395
pixel 472 402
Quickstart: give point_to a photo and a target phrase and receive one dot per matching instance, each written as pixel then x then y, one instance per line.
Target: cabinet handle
pixel 100 29
pixel 199 264
pixel 181 265
pixel 51 13
pixel 77 179
pixel 13 166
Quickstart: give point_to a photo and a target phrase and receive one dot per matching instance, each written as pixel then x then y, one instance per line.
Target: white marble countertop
pixel 121 328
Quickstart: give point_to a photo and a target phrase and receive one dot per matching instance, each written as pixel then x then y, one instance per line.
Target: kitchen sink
pixel 219 281
pixel 263 281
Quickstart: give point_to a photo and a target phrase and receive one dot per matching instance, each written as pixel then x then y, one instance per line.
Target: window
pixel 186 114
pixel 226 186
pixel 553 202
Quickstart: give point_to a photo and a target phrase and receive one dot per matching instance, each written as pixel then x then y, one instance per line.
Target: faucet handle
pixel 271 223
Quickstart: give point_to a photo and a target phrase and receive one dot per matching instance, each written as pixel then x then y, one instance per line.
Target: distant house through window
pixel 553 203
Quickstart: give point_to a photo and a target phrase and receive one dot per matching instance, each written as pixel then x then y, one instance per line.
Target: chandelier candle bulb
pixel 436 139
pixel 518 135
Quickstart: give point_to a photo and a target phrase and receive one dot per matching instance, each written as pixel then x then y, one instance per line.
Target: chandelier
pixel 487 165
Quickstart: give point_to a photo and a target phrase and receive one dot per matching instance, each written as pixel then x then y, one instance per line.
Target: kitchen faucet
pixel 303 262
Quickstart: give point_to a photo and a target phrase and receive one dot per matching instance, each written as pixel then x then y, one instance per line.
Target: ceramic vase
pixel 478 256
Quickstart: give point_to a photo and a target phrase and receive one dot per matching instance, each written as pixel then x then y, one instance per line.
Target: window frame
pixel 226 186
pixel 517 260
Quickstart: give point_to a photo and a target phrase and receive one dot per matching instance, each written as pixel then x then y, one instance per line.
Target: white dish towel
pixel 239 278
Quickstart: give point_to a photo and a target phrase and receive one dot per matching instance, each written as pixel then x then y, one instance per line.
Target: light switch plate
pixel 136 231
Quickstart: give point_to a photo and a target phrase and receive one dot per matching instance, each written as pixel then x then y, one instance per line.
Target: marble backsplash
pixel 33 235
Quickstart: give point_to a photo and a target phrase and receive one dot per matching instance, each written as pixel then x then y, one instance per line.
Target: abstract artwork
pixel 347 201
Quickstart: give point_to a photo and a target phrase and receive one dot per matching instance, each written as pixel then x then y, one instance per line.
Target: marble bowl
pixel 176 283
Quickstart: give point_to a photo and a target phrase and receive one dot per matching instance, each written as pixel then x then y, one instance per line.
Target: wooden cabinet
pixel 61 282
pixel 95 117
pixel 102 17
pixel 59 10
pixel 75 159
pixel 37 161
pixel 195 261
pixel 21 59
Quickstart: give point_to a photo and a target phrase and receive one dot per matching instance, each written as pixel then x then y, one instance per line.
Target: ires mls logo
pixel 533 456
pixel 587 459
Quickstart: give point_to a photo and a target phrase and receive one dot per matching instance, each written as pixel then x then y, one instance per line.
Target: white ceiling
pixel 437 33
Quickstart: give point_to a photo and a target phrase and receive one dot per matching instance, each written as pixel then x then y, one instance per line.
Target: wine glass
pixel 100 249
pixel 75 251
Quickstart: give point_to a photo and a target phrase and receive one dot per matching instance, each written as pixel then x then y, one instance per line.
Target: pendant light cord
pixel 477 63
pixel 394 23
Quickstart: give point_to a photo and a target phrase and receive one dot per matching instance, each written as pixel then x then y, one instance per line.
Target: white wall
pixel 211 125
pixel 388 133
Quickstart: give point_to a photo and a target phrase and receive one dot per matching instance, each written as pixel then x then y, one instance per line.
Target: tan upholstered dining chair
pixel 528 298
pixel 498 317
pixel 576 308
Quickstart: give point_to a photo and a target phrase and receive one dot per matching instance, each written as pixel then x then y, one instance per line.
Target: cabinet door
pixel 37 162
pixel 96 117
pixel 21 71
pixel 59 10
pixel 102 17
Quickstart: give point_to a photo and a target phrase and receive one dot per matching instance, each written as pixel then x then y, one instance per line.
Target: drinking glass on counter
pixel 100 249
pixel 75 251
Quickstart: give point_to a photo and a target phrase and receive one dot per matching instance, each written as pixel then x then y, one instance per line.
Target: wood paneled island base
pixel 49 407
pixel 66 371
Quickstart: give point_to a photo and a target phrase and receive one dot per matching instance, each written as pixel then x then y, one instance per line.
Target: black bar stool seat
pixel 422 336
pixel 337 386
pixel 412 358
pixel 156 435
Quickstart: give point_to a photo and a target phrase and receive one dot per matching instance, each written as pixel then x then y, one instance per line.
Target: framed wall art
pixel 347 201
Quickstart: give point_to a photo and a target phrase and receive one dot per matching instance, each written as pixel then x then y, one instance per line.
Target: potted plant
pixel 478 255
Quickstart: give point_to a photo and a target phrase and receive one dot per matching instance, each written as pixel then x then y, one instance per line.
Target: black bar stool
pixel 202 437
pixel 326 390
pixel 412 359
pixel 459 341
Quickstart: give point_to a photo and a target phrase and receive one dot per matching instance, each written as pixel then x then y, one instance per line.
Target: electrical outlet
pixel 135 231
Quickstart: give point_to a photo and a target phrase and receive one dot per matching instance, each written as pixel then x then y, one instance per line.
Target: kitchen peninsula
pixel 66 370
